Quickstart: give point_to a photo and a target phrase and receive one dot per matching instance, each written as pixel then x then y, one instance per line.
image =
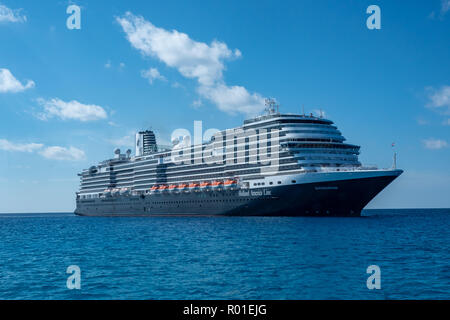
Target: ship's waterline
pixel 274 165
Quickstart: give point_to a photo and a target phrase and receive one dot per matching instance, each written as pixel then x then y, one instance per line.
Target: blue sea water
pixel 226 257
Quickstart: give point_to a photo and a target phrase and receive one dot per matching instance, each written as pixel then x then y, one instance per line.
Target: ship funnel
pixel 145 143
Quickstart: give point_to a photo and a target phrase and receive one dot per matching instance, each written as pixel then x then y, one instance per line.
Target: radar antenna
pixel 271 106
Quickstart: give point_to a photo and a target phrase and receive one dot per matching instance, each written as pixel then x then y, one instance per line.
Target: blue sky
pixel 69 97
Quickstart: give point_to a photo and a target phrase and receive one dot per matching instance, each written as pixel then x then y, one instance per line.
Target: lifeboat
pixel 154 189
pixel 193 186
pixel 205 185
pixel 173 187
pixel 163 188
pixel 183 186
pixel 230 183
pixel 217 184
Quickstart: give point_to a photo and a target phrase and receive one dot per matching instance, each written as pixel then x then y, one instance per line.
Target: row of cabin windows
pixel 270 183
pixel 206 200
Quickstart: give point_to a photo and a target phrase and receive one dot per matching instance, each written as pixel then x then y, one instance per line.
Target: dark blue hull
pixel 346 197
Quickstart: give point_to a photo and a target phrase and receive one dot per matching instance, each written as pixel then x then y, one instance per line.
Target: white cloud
pixel 152 74
pixel 439 99
pixel 108 64
pixel 72 110
pixel 434 144
pixel 8 83
pixel 233 99
pixel 9 15
pixel 54 152
pixel 61 153
pixel 194 60
pixel 6 145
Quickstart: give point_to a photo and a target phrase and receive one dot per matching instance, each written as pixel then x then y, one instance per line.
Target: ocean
pixel 226 257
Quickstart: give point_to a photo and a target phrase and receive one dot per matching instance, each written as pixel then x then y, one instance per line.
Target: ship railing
pixel 368 167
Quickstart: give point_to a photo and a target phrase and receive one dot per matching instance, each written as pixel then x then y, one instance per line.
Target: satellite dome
pixel 117 151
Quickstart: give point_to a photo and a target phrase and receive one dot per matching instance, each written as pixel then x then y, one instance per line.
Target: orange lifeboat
pixel 163 188
pixel 183 186
pixel 230 183
pixel 193 186
pixel 205 185
pixel 217 184
pixel 173 187
pixel 155 188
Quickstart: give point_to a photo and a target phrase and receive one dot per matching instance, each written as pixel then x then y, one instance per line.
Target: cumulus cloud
pixel 54 152
pixel 61 153
pixel 194 60
pixel 152 74
pixel 9 15
pixel 8 83
pixel 72 110
pixel 6 145
pixel 434 144
pixel 233 99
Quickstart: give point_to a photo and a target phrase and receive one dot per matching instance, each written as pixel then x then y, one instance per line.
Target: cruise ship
pixel 273 165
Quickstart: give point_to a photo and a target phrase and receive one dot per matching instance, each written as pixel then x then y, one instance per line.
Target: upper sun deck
pixel 287 118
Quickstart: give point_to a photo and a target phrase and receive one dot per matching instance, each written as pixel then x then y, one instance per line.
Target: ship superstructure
pixel 274 164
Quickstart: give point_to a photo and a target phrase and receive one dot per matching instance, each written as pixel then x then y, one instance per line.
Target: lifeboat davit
pixel 230 184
